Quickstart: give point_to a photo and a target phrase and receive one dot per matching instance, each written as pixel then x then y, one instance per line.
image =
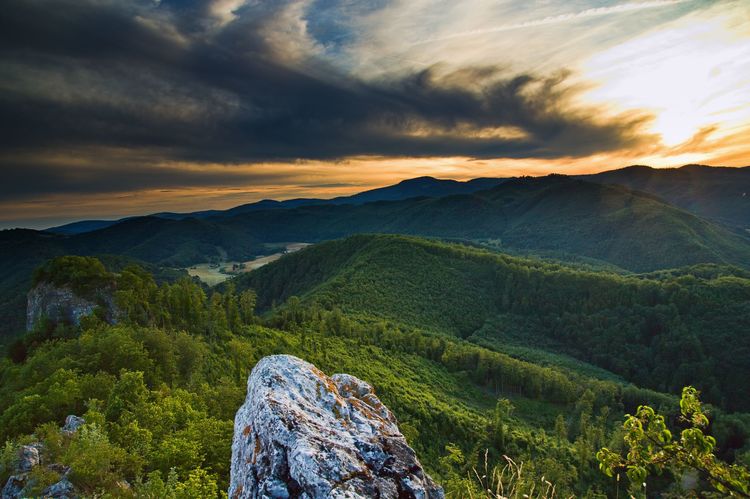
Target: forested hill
pixel 661 331
pixel 158 391
pixel 563 216
pixel 555 214
pixel 150 241
pixel 719 193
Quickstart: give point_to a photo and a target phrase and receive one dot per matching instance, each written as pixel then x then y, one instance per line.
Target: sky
pixel 110 108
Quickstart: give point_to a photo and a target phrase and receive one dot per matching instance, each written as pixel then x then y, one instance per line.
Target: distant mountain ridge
pixel 718 193
pixel 565 218
pixel 626 228
pixel 410 188
pixel 556 214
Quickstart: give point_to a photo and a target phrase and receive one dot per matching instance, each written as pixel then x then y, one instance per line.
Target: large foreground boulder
pixel 303 434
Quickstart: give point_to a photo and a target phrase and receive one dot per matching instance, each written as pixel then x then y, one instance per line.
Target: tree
pixel 247 300
pixel 503 409
pixel 651 446
pixel 561 429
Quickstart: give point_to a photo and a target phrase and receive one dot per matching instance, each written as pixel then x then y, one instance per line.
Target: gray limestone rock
pixel 13 487
pixel 60 490
pixel 62 305
pixel 28 457
pixel 303 434
pixel 72 423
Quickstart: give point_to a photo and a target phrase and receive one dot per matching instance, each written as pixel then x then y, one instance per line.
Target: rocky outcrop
pixel 29 457
pixel 303 434
pixel 72 423
pixel 13 487
pixel 62 305
pixel 60 490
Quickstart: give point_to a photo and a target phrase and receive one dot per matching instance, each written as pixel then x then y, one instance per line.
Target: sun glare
pixel 693 75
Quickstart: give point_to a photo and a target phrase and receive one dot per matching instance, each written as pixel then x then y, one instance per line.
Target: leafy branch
pixel 651 446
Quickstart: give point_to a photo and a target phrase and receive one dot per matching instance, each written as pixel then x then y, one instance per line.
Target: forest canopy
pixel 159 390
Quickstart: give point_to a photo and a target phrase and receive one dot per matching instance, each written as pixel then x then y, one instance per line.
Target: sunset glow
pixel 215 104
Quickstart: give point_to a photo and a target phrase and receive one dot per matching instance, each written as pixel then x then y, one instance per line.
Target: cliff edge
pixel 60 304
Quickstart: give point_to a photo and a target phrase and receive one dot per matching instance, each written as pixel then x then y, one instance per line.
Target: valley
pixel 388 249
pixel 216 273
pixel 525 319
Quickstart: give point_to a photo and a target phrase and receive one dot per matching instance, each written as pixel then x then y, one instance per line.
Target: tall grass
pixel 508 481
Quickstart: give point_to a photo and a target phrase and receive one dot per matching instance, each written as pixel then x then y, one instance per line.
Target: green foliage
pixel 92 458
pixel 512 480
pixel 199 484
pixel 160 389
pixel 8 460
pixel 85 275
pixel 39 479
pixel 651 446
pixel 661 331
pixel 503 410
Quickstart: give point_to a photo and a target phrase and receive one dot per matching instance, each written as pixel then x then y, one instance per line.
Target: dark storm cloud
pixel 121 175
pixel 173 77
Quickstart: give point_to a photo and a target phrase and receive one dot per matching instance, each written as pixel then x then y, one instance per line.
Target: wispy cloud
pixel 557 19
pixel 105 98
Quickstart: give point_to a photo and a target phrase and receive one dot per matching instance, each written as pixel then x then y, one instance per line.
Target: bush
pixel 85 275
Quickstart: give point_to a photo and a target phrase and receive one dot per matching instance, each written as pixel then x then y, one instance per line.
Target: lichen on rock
pixel 303 434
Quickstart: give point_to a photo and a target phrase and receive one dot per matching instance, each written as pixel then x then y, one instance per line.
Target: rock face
pixel 13 487
pixel 60 490
pixel 72 423
pixel 303 434
pixel 29 457
pixel 62 305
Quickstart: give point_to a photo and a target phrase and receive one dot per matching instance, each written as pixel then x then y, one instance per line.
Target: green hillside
pixel 714 192
pixel 159 390
pixel 661 331
pixel 558 215
pixel 626 228
pixel 555 217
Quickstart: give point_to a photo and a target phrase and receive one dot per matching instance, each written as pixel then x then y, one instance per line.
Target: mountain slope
pixel 420 187
pixel 614 224
pixel 167 242
pixel 660 332
pixel 556 214
pixel 718 193
pixel 159 391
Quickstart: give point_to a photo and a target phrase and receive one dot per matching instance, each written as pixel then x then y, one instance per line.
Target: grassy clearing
pixel 213 274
